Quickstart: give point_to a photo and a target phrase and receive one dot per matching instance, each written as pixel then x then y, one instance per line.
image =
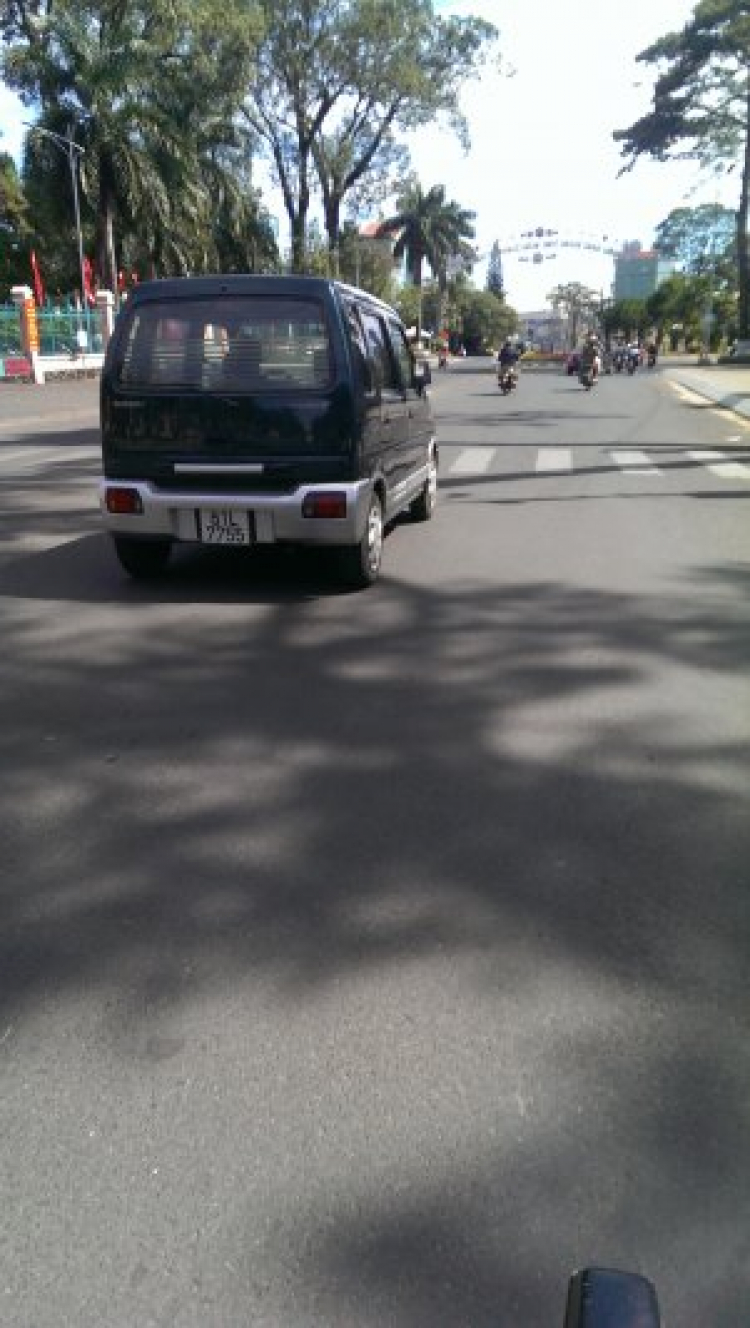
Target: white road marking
pixel 636 463
pixel 554 458
pixel 37 455
pixel 718 464
pixel 695 399
pixel 84 417
pixel 686 394
pixel 472 461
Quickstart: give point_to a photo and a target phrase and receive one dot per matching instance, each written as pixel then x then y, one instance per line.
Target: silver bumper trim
pixel 170 513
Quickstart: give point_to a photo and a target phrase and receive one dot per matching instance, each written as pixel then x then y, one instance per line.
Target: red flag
pixel 38 287
pixel 89 281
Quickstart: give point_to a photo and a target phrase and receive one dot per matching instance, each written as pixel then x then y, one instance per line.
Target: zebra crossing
pixel 472 462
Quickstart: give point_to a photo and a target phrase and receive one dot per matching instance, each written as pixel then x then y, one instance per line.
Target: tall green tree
pixel 682 303
pixel 366 263
pixel 12 201
pixel 697 238
pixel 428 228
pixel 485 319
pixel 701 108
pixel 626 318
pixel 139 86
pixel 577 304
pixel 406 67
pixel 495 271
pixel 13 226
pixel 337 81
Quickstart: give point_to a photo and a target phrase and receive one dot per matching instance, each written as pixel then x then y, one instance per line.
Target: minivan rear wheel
pixel 360 563
pixel 142 559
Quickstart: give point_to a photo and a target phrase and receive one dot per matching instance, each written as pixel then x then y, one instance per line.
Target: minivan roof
pixel 245 283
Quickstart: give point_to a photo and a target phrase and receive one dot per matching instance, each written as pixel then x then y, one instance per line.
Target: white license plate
pixel 225 525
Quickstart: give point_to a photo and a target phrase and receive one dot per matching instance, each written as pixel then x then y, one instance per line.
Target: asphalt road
pixel 377 959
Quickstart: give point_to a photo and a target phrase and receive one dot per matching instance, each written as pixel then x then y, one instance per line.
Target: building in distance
pixel 638 272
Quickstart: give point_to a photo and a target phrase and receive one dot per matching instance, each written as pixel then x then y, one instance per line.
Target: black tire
pixel 360 563
pixel 142 559
pixel 423 507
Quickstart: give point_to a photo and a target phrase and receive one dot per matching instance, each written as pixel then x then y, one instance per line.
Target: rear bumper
pixel 277 518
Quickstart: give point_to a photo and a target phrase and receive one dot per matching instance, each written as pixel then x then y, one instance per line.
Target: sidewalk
pixel 721 384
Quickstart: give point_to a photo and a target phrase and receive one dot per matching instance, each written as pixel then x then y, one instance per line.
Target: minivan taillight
pixel 331 504
pixel 124 502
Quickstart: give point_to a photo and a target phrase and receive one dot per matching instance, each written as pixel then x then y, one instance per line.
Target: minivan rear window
pixel 251 343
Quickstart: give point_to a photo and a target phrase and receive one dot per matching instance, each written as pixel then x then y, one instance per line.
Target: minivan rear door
pixel 237 377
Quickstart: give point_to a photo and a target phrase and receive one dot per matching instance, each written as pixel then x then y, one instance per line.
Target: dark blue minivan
pixel 241 410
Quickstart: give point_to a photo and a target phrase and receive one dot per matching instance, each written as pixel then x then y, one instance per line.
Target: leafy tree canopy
pixel 486 319
pixel 12 202
pixel 685 299
pixel 495 272
pixel 148 90
pixel 697 237
pixel 576 303
pixel 338 80
pixel 13 227
pixel 626 318
pixel 428 227
pixel 701 106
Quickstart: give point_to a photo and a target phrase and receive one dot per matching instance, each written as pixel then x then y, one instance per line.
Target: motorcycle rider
pixel 591 358
pixel 633 356
pixel 507 359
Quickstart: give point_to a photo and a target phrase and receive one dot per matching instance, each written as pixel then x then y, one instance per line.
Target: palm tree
pixel 428 229
pixel 140 89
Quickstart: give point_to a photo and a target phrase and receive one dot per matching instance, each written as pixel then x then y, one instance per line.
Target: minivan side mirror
pixel 422 375
pixel 608 1298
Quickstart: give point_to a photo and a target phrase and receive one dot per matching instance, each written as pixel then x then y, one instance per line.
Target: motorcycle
pixel 587 376
pixel 632 363
pixel 652 359
pixel 506 378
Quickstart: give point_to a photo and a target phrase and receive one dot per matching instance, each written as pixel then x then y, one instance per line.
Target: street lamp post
pixel 69 148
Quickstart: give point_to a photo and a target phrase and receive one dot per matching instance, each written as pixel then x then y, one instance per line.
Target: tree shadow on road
pixel 285 792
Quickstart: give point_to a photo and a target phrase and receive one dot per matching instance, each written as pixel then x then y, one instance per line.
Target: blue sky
pixel 542 152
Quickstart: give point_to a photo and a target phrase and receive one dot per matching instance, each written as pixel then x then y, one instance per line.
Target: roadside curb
pixel 738 403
